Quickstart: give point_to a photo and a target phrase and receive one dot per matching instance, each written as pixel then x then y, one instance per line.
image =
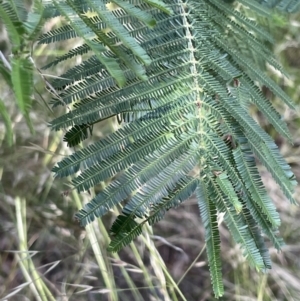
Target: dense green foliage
pixel 180 77
pixel 181 91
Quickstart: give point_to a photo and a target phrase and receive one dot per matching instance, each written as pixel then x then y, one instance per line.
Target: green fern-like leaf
pixel 182 97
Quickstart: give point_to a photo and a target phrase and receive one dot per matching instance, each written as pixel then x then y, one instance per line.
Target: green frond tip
pixel 77 134
pixel 124 230
pixel 208 211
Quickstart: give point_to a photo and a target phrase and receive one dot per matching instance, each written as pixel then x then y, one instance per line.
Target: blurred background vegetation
pixel 45 255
